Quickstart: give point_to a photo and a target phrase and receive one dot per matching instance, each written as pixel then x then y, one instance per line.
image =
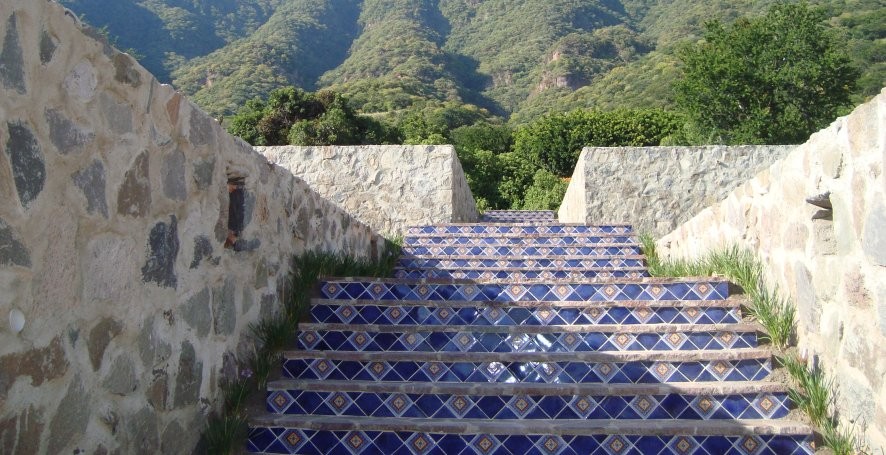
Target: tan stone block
pixel 864 129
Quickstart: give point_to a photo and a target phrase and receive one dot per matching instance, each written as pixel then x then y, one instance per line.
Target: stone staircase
pixel 522 336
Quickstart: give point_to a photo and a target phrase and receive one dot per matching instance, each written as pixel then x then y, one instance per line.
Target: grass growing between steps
pixel 227 432
pixel 811 391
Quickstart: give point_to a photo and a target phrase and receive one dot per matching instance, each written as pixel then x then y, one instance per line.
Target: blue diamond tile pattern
pixel 520 335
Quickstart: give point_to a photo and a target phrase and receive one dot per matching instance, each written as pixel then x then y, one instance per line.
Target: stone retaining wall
pixel 114 215
pixel 832 264
pixel 386 187
pixel 657 188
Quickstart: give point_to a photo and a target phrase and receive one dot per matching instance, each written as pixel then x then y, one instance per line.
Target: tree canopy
pixel 774 79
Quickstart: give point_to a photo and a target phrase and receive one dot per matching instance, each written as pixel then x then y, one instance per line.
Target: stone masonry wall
pixel 114 209
pixel 386 187
pixel 657 188
pixel 832 264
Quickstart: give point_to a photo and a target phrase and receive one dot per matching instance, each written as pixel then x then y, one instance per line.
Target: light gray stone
pixel 110 273
pixel 248 300
pixel 874 237
pixel 28 164
pixel 269 306
pixel 163 248
pixel 118 115
pixel 12 250
pixel 92 182
pixel 174 186
pixel 99 338
pixel 201 128
pixel 81 81
pixel 203 171
pixel 224 308
pixel 202 250
pixel 857 396
pixel 12 63
pixel 141 430
pixel 261 274
pixel 174 437
pixel 189 378
pixel 134 197
pixel 121 378
pixel 808 307
pixel 125 70
pixel 48 46
pixel 66 136
pixel 152 349
pixel 72 417
pixel 881 308
pixel 196 313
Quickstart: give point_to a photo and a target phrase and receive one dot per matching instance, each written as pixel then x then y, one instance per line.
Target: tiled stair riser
pixel 536 240
pixel 538 264
pixel 311 442
pixel 519 276
pixel 529 229
pixel 540 251
pixel 636 372
pixel 506 315
pixel 478 292
pixel 521 407
pixel 467 341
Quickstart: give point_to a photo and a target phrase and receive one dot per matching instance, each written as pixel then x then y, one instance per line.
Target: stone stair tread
pixel 535 329
pixel 536 427
pixel 485 388
pixel 733 301
pixel 530 223
pixel 540 357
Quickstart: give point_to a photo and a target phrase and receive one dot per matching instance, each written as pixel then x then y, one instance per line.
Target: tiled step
pixel 519 275
pixel 367 435
pixel 609 290
pixel 526 313
pixel 692 401
pixel 551 252
pixel 520 228
pixel 549 367
pixel 498 262
pixel 566 338
pixel 537 240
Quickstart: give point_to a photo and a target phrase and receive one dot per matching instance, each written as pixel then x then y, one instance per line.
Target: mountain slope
pixel 516 58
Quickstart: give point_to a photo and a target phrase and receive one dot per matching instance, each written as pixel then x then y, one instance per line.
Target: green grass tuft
pixel 226 435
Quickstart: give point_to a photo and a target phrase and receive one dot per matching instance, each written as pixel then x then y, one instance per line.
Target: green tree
pixel 774 79
pixel 545 193
pixel 554 142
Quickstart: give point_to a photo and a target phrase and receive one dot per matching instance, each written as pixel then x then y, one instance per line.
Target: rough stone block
pixel 141 431
pixel 12 250
pixel 121 378
pixel 48 45
pixel 174 186
pixel 158 392
pixel 91 181
pixel 809 309
pixel 196 313
pixel 163 245
pixel 125 70
pixel 67 136
pixel 189 378
pixel 99 338
pixel 151 348
pixel 134 197
pixel 874 237
pixel 41 365
pixel 12 63
pixel 109 271
pixel 202 250
pixel 203 171
pixel 201 128
pixel 72 417
pixel 117 115
pixel 81 82
pixel 224 308
pixel 22 434
pixel 28 164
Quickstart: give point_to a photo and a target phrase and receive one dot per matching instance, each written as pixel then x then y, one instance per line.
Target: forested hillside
pixel 517 59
